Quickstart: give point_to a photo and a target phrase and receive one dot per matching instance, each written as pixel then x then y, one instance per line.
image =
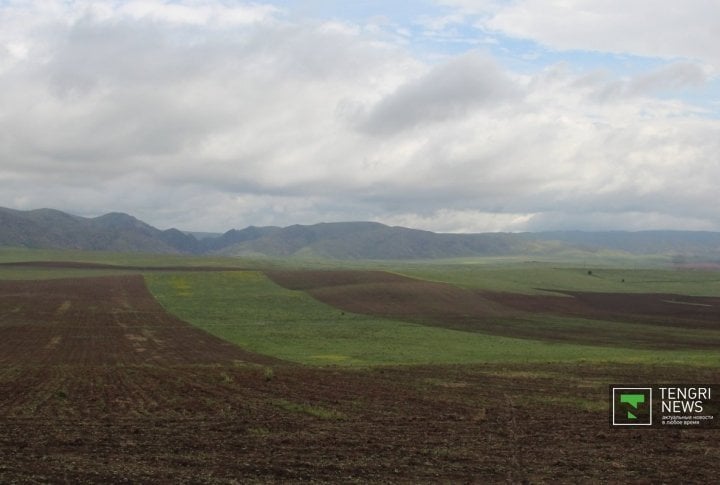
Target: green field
pixel 104 386
pixel 531 278
pixel 10 255
pixel 248 309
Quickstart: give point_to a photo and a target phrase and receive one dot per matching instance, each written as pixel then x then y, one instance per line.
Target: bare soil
pixel 512 314
pixel 378 292
pixel 111 320
pixel 99 385
pixel 655 308
pixel 392 295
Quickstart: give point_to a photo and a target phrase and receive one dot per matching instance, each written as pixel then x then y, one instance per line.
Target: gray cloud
pixel 674 76
pixel 447 91
pixel 666 79
pixel 187 119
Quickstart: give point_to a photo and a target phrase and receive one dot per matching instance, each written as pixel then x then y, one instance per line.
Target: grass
pixel 515 274
pixel 531 278
pixel 46 274
pixel 247 309
pixel 8 254
pixel 12 255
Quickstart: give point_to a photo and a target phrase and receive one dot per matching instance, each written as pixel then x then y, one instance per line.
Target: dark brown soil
pixel 111 320
pixel 109 388
pixel 654 308
pixel 390 295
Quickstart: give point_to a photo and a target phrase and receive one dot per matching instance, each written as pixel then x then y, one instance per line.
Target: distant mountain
pixel 48 228
pixel 371 240
pixel 234 237
pixel 640 242
pixel 202 235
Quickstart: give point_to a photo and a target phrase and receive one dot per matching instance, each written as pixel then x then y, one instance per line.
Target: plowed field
pixel 393 295
pixel 99 385
pixel 651 320
pixel 100 321
pixel 653 308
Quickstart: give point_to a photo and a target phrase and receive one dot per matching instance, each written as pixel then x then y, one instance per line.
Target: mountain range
pixel 53 229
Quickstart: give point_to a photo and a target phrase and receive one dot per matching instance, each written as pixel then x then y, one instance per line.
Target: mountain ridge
pixel 116 231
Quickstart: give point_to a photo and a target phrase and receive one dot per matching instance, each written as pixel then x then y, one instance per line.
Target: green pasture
pixel 513 274
pixel 248 309
pixel 30 273
pixel 14 255
pixel 8 255
pixel 530 278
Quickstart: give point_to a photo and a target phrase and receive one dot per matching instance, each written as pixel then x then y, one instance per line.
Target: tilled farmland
pixel 514 315
pixel 99 384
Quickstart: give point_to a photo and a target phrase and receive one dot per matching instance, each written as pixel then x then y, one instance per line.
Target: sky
pixel 445 115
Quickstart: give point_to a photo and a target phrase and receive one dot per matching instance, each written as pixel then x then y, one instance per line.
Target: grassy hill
pixel 52 229
pixel 374 241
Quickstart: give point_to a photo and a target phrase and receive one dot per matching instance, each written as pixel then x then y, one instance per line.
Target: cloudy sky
pixel 448 115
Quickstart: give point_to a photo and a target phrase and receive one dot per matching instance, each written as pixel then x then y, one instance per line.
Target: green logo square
pixel 631 406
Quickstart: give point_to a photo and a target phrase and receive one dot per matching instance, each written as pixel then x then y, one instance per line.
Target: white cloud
pixel 440 23
pixel 462 221
pixel 688 29
pixel 166 112
pixel 196 13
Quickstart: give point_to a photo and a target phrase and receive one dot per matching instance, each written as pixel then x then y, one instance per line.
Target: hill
pixel 53 229
pixel 371 240
pixel 687 244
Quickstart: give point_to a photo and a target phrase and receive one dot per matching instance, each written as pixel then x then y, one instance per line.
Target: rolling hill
pixel 53 229
pixel 371 240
